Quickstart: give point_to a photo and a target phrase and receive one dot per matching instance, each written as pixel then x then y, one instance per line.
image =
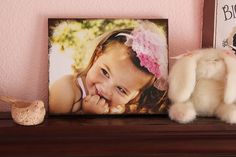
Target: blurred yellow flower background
pixel 74 35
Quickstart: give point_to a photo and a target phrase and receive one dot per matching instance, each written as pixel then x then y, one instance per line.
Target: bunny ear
pixel 182 79
pixel 229 93
pixel 188 53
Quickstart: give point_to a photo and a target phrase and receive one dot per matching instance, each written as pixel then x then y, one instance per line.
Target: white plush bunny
pixel 203 83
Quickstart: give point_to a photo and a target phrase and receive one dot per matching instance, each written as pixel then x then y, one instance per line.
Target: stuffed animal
pixel 203 83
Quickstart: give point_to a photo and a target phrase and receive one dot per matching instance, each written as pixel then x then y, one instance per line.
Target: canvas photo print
pixel 225 28
pixel 108 66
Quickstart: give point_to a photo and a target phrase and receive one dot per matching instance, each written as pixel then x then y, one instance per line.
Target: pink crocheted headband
pixel 151 48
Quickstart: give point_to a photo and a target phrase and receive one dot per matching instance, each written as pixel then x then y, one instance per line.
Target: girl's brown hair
pixel 150 98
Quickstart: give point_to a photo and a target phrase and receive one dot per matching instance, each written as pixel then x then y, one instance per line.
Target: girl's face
pixel 114 77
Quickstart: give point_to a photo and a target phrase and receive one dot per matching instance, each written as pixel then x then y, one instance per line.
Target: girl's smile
pixel 109 77
pixel 101 94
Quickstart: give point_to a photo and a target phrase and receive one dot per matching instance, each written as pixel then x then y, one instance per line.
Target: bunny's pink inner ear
pixel 230 53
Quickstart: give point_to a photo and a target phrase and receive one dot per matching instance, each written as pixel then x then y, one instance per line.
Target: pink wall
pixel 23 34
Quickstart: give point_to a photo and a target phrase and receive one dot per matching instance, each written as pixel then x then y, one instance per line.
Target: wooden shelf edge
pixel 112 136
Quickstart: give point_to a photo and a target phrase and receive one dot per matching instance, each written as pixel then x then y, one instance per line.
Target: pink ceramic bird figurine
pixel 25 112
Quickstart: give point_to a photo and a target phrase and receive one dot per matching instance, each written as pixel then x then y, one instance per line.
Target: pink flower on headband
pixel 151 48
pixel 150 64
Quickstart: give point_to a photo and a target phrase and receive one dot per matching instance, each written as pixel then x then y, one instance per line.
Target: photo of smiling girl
pixel 126 67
